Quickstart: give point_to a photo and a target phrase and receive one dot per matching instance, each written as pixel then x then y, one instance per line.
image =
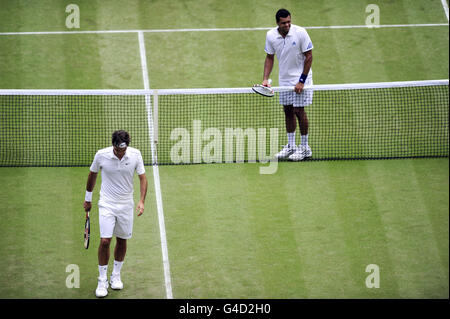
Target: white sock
pixel 304 139
pixel 291 139
pixel 117 267
pixel 102 270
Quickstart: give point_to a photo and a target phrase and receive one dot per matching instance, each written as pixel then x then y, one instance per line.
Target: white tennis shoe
pixel 102 288
pixel 286 152
pixel 116 283
pixel 297 155
pixel 306 151
pixel 301 153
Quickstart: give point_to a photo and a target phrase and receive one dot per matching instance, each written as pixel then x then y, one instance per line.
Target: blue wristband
pixel 303 78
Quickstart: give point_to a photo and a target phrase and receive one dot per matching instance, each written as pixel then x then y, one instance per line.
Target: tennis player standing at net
pixel 293 48
pixel 118 164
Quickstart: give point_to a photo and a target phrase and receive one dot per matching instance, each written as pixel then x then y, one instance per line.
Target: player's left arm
pixel 306 68
pixel 143 187
pixel 308 62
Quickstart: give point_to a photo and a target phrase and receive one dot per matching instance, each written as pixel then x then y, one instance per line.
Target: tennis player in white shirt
pixel 293 48
pixel 116 206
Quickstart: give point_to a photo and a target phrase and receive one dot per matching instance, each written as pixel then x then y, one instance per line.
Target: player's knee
pixel 300 111
pixel 121 242
pixel 301 114
pixel 289 110
pixel 105 242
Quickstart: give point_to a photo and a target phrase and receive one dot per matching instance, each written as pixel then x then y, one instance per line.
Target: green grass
pixel 307 231
pixel 310 230
pixel 49 15
pixel 70 62
pixel 234 233
pixel 214 59
pixel 340 56
pixel 43 224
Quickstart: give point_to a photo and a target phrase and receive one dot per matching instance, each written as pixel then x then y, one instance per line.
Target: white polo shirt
pixel 117 175
pixel 290 53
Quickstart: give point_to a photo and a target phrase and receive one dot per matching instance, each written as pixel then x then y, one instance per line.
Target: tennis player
pixel 293 48
pixel 118 164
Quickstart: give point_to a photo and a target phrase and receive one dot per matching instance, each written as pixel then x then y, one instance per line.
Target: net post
pixel 149 109
pixel 155 116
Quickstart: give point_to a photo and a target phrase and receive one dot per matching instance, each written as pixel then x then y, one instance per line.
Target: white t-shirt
pixel 290 52
pixel 117 175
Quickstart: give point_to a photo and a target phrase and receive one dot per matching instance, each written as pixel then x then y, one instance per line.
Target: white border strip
pixel 320 87
pixel 73 92
pixel 374 85
pixel 380 26
pixel 445 6
pixel 159 202
pixel 224 29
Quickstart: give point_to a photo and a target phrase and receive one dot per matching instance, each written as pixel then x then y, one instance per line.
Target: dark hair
pixel 282 13
pixel 119 137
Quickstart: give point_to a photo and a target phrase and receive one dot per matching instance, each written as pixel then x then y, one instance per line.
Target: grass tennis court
pixel 307 231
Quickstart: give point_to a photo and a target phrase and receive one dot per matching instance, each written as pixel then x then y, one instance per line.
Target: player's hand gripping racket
pixel 263 90
pixel 87 231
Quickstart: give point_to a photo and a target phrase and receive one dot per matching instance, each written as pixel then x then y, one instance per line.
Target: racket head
pixel 87 231
pixel 263 90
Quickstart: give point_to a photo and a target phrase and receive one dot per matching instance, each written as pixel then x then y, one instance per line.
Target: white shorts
pixel 116 219
pixel 297 100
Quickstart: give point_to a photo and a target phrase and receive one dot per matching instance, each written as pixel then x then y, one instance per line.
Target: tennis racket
pixel 87 231
pixel 263 90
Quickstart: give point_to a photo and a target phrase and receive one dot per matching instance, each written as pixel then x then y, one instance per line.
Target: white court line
pixel 223 29
pixel 159 203
pixel 445 6
pixel 143 56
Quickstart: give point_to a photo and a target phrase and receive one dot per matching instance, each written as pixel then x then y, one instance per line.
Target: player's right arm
pixel 268 66
pixel 92 178
pixel 268 63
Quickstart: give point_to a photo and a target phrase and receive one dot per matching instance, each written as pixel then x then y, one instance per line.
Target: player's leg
pixel 289 117
pixel 103 251
pixel 119 256
pixel 121 249
pixel 291 125
pixel 106 225
pixel 302 117
pixel 287 100
pixel 304 127
pixel 300 101
pixel 103 258
pixel 123 231
pixel 303 150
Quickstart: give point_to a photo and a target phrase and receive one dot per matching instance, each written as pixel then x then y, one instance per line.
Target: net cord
pixel 320 87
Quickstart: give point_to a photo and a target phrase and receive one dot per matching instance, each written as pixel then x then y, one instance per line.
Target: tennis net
pixel 347 121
